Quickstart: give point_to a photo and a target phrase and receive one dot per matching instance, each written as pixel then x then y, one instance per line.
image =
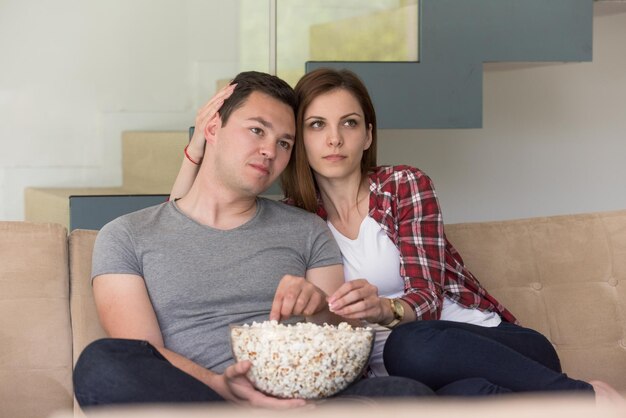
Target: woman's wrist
pixel 396 307
pixel 386 312
pixel 193 156
pixel 196 152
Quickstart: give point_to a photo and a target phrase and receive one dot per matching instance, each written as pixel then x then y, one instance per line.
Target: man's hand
pixel 296 296
pixel 234 386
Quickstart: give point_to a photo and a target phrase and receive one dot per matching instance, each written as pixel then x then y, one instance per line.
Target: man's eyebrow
pixel 269 125
pixel 262 121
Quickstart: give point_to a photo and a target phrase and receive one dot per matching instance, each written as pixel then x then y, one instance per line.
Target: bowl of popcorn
pixel 302 360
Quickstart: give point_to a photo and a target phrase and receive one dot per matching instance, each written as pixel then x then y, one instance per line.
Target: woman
pixel 401 271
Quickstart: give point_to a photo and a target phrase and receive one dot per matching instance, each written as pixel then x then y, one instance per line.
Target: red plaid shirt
pixel 404 203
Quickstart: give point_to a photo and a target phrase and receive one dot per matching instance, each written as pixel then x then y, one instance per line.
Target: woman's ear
pixel 211 128
pixel 368 139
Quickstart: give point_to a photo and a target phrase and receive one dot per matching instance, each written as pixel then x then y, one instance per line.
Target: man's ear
pixel 211 128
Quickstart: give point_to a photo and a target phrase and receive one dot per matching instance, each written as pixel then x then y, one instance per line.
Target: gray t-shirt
pixel 201 279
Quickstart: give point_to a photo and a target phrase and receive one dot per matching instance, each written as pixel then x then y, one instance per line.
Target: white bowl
pixel 302 360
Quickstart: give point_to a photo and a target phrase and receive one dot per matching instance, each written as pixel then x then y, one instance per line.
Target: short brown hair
pixel 251 81
pixel 297 180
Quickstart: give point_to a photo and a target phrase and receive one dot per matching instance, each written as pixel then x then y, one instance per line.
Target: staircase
pixel 150 163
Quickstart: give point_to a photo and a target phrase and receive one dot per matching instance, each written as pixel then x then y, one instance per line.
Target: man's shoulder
pixel 288 212
pixel 135 220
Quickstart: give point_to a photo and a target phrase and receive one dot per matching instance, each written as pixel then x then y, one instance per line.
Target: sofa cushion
pixel 35 349
pixel 85 324
pixel 564 276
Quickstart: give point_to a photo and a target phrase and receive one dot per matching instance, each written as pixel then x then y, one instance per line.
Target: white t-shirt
pixel 373 256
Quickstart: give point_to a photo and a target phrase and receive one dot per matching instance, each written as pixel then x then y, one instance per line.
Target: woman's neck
pixel 345 200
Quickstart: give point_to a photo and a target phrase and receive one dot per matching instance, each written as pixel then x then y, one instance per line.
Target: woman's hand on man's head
pixel 206 114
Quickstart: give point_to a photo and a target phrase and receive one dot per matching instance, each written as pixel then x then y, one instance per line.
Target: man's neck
pixel 216 207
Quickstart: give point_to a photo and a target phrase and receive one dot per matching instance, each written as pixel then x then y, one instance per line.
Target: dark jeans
pixel 447 356
pixel 118 371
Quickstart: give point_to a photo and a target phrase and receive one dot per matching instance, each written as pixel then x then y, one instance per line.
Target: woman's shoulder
pixel 397 174
pixel 321 212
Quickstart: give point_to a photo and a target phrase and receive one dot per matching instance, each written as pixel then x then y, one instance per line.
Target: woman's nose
pixel 334 139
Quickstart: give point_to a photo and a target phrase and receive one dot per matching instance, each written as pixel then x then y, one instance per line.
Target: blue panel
pixel 444 89
pixel 93 212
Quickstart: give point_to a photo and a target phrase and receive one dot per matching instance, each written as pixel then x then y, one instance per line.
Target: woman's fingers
pixel 207 111
pixel 206 115
pixel 347 288
pixel 362 308
pixel 352 292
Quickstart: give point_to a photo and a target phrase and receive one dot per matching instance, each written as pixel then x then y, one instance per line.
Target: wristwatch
pixel 398 313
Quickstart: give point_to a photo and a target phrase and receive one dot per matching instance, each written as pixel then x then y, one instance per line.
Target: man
pixel 168 280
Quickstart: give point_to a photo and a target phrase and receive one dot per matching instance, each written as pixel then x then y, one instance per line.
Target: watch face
pixel 398 309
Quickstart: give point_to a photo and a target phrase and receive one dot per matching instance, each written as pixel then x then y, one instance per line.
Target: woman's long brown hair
pixel 297 180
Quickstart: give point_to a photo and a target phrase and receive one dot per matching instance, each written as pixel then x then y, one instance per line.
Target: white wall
pixel 74 74
pixel 553 138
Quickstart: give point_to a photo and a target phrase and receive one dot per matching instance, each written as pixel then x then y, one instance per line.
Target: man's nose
pixel 268 150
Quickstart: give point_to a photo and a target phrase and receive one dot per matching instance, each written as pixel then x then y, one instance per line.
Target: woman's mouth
pixel 334 157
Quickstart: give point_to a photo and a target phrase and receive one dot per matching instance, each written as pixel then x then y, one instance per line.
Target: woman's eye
pixel 317 124
pixel 285 145
pixel 351 123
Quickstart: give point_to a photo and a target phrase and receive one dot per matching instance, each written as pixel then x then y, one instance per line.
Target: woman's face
pixel 335 134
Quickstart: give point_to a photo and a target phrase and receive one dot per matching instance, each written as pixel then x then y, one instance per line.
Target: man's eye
pixel 256 131
pixel 285 145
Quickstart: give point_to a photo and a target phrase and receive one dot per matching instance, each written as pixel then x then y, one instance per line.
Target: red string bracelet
pixel 189 157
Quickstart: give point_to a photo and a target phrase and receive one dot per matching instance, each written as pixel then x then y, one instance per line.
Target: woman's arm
pixel 194 152
pixel 421 242
pixel 419 237
pixel 358 300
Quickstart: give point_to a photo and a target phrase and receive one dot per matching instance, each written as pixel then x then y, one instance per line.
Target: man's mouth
pixel 261 168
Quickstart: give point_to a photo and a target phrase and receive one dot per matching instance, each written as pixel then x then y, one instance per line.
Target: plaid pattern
pixel 404 203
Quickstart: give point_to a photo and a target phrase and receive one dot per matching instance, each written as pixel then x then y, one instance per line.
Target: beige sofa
pixel 564 276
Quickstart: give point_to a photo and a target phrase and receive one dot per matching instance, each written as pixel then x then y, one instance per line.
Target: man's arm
pixel 125 311
pixel 328 280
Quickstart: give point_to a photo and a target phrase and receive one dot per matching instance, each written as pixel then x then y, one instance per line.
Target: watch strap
pixel 397 317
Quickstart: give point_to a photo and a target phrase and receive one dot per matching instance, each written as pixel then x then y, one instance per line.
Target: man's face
pixel 255 145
